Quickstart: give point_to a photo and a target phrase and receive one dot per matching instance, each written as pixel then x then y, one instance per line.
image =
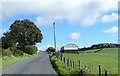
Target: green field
pixel 107 58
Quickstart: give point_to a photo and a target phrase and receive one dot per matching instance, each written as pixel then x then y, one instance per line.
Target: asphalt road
pixel 36 65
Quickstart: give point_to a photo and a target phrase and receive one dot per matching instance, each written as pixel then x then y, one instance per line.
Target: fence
pixel 72 65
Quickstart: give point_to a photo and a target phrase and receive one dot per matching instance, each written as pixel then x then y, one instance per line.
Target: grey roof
pixel 70 47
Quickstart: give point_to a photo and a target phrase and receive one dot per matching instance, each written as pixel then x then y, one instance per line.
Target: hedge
pixel 30 49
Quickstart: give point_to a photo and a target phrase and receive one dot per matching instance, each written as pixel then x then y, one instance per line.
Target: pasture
pixel 107 58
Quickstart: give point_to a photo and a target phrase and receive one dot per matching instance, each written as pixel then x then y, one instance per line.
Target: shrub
pixel 20 47
pixel 30 49
pixel 19 53
pixel 12 51
pixel 57 54
pixel 15 51
pixel 6 52
pixel 50 49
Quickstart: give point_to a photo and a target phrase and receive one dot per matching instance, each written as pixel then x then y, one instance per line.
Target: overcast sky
pixel 82 22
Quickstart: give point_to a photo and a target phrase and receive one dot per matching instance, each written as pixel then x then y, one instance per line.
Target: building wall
pixel 70 51
pixel 70 48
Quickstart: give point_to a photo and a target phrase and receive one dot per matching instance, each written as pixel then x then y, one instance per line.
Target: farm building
pixel 70 48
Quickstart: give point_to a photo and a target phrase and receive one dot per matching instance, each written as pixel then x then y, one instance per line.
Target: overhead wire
pixel 5 16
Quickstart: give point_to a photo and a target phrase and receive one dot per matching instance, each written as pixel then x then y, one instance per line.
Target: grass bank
pixel 6 61
pixel 63 70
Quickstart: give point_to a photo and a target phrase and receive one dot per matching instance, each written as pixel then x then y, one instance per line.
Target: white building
pixel 70 48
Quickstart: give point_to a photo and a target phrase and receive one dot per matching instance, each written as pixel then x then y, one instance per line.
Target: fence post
pixel 105 72
pixel 79 64
pixel 68 62
pixel 61 56
pixel 64 60
pixel 99 70
pixel 73 64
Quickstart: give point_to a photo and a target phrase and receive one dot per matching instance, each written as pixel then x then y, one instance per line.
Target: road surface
pixel 36 65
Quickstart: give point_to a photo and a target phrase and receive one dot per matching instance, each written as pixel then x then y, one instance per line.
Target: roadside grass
pixel 107 58
pixel 6 61
pixel 61 68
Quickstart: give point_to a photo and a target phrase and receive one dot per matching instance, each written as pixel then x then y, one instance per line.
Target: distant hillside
pixel 100 46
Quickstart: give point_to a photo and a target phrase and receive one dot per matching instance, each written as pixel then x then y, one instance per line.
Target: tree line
pixel 100 46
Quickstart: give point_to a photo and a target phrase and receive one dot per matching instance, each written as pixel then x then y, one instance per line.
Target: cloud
pixel 114 29
pixel 43 48
pixel 74 11
pixel 118 39
pixel 47 20
pixel 110 18
pixel 75 36
pixel 89 20
pixel 43 20
pixel 49 46
pixel 2 31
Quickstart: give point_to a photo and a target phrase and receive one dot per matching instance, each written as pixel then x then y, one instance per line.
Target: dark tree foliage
pixel 30 49
pixel 25 32
pixel 100 46
pixel 7 40
pixel 50 49
pixel 0 47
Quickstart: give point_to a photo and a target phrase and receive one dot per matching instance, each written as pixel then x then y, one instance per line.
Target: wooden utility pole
pixel 54 35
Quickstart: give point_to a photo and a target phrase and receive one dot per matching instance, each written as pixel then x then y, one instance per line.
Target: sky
pixel 81 22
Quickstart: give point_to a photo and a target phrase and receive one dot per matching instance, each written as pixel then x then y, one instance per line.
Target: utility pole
pixel 54 35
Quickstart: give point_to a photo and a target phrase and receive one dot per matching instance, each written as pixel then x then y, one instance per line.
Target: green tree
pixel 50 49
pixel 25 32
pixel 7 40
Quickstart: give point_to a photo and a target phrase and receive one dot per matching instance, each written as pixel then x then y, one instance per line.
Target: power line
pixel 5 16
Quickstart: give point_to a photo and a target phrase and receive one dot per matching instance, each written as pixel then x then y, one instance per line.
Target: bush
pixel 15 51
pixel 30 49
pixel 18 53
pixel 50 49
pixel 20 47
pixel 56 54
pixel 6 52
pixel 12 51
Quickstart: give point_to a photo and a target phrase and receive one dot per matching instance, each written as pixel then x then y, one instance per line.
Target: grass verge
pixel 63 70
pixel 6 61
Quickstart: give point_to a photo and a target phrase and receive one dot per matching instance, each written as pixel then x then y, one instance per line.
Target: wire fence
pixel 87 68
